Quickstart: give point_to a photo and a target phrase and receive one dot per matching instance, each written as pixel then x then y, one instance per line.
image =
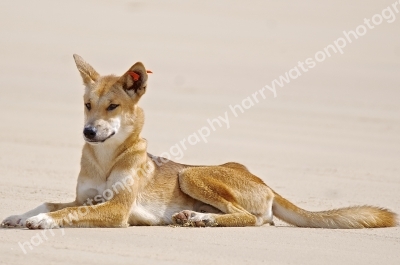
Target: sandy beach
pixel 323 129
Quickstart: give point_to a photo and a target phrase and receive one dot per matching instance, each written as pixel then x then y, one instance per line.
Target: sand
pixel 330 137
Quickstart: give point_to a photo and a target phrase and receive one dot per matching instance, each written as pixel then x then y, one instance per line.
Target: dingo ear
pixel 89 75
pixel 134 81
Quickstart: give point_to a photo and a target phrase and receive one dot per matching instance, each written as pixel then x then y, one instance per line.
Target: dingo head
pixel 110 102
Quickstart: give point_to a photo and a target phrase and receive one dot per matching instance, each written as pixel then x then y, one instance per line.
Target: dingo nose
pixel 90 132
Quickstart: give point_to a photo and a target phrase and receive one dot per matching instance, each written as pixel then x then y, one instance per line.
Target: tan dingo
pixel 120 184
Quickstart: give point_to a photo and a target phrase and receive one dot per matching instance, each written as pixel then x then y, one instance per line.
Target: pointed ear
pixel 89 75
pixel 134 81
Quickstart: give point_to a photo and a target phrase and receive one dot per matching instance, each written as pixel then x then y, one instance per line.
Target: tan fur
pixel 149 190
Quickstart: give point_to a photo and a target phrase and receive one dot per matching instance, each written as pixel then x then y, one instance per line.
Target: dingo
pixel 120 184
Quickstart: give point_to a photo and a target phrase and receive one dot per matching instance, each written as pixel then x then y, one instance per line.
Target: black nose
pixel 90 132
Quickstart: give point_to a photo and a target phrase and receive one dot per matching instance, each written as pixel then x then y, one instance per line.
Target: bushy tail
pixel 350 217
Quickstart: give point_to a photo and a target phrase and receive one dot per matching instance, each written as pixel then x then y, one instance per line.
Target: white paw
pixel 14 221
pixel 191 218
pixel 41 221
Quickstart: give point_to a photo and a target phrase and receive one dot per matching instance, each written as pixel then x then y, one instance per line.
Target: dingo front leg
pixel 20 220
pixel 113 213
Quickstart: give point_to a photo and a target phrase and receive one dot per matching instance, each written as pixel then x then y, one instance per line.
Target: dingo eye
pixel 88 106
pixel 112 107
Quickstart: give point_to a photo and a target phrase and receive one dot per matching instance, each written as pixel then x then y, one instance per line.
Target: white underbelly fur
pixel 153 213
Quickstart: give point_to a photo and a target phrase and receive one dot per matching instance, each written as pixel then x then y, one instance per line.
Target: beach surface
pixel 328 137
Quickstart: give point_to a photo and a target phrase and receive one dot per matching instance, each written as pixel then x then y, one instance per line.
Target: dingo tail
pixel 342 218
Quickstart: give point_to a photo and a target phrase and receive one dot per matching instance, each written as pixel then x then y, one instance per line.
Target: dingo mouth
pixel 94 141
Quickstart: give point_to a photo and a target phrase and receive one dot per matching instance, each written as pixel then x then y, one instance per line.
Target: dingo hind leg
pixel 242 198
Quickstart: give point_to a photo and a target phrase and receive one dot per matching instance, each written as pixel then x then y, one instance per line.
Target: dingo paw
pixel 192 218
pixel 41 221
pixel 14 221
